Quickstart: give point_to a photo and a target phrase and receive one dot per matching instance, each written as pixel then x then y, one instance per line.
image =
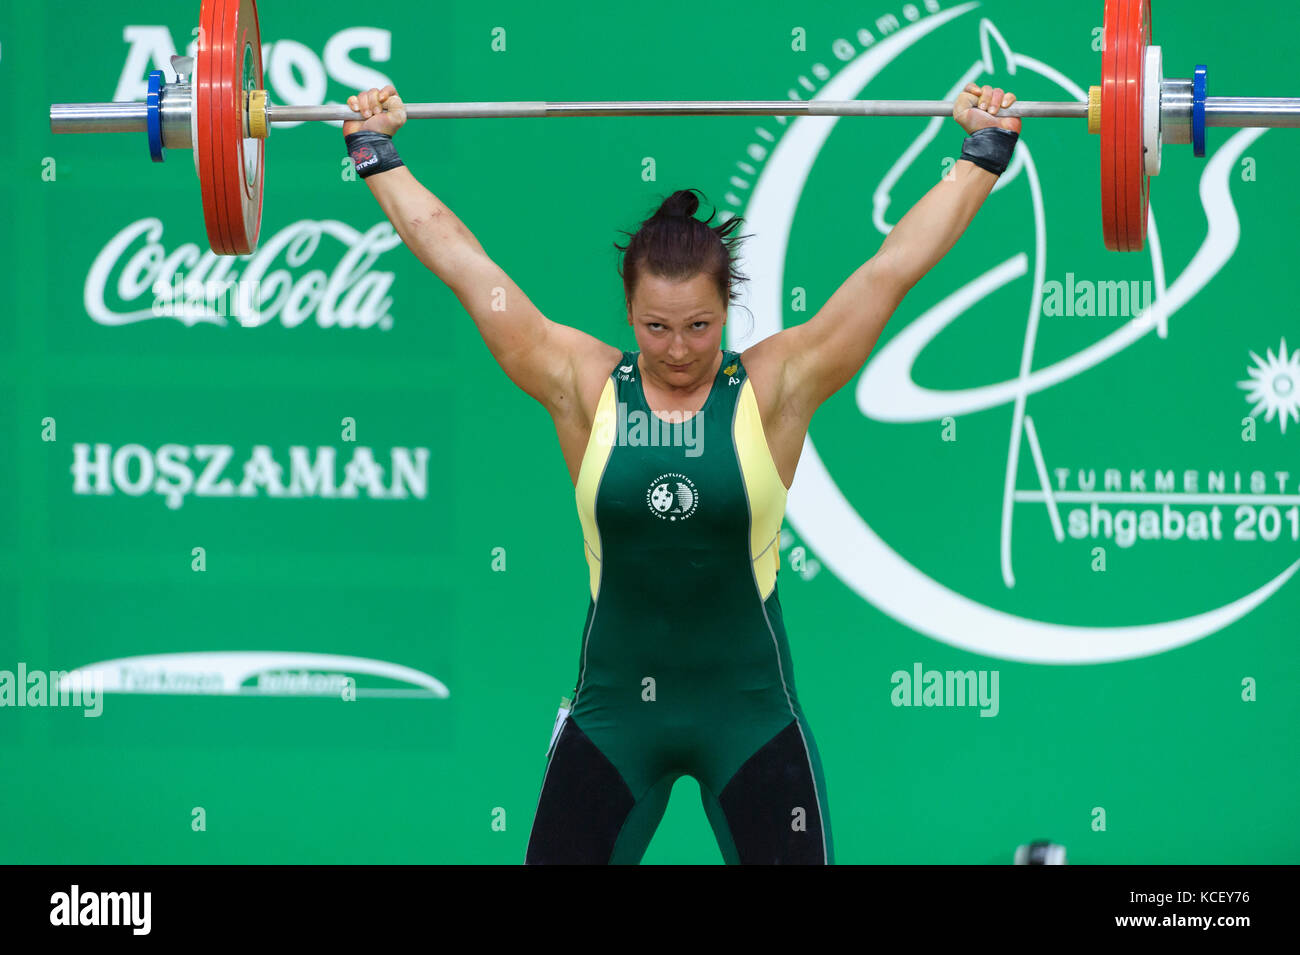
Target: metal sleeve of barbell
pixel 1250 111
pixel 99 117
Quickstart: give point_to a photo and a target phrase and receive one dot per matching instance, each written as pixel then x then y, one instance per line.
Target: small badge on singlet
pixel 672 497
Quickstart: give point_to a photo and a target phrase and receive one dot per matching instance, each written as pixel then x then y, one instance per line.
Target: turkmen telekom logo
pixel 261 673
pixel 838 529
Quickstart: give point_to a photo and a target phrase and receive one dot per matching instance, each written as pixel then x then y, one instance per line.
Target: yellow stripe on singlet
pixel 763 486
pixel 594 459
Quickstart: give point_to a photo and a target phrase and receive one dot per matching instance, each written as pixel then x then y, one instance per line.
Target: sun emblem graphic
pixel 1274 386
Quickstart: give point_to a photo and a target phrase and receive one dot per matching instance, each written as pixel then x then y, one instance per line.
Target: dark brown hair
pixel 675 245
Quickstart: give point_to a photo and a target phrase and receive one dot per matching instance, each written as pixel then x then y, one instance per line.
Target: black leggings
pixel 770 811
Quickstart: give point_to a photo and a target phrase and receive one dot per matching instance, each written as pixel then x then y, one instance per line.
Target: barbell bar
pixel 131 117
pixel 218 108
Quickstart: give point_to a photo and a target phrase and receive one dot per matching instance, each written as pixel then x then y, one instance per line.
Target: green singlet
pixel 684 666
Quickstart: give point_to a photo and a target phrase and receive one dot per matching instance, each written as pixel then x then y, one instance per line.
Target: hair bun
pixel 683 203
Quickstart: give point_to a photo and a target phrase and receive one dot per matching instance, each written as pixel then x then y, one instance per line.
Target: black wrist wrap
pixel 990 148
pixel 372 152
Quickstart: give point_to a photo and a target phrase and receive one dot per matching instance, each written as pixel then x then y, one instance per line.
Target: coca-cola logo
pixel 134 268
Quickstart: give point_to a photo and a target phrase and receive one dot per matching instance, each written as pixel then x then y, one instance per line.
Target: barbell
pixel 219 109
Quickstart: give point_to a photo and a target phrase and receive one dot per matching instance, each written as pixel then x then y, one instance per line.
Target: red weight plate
pixel 1136 180
pixel 1123 102
pixel 220 43
pixel 230 167
pixel 1124 180
pixel 1109 105
pixel 207 99
pixel 248 76
pixel 204 81
pixel 256 148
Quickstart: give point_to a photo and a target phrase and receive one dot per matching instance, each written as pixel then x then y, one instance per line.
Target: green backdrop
pixel 1145 712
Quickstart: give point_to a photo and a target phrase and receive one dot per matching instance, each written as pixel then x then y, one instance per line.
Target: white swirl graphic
pixel 816 506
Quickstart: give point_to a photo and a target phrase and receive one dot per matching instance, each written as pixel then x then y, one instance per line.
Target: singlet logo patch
pixel 672 497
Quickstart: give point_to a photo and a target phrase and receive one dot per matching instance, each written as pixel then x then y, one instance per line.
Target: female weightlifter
pixel 681 455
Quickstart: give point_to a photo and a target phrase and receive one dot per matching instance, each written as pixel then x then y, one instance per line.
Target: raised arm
pixel 823 354
pixel 542 357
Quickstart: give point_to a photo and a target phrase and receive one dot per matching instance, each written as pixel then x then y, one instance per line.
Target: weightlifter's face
pixel 678 326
